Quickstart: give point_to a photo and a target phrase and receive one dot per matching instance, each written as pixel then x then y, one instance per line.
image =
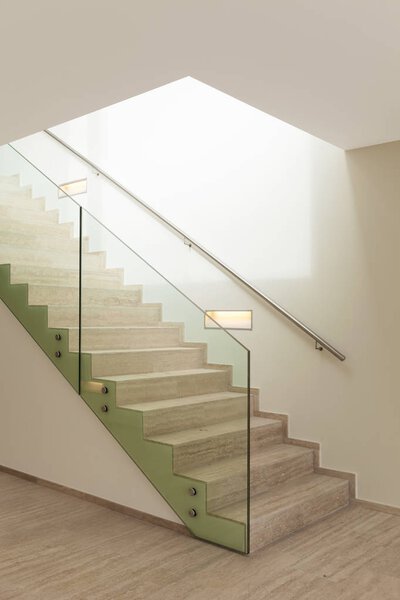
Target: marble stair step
pixel 114 338
pixel 33 241
pixel 45 275
pixel 203 445
pixel 50 257
pixel 145 360
pixel 21 198
pixel 175 414
pixel 273 465
pixel 30 215
pixel 12 180
pixel 47 230
pixel 6 187
pixel 150 387
pixel 289 507
pixel 62 295
pixel 66 316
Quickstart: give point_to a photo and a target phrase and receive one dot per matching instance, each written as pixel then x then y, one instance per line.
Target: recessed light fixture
pixel 228 319
pixel 72 188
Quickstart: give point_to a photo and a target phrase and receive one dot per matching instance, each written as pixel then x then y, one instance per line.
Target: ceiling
pixel 330 68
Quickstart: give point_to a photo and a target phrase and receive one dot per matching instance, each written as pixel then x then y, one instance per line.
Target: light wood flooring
pixel 55 547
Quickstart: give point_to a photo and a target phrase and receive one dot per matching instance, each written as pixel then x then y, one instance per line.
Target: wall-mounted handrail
pixel 319 341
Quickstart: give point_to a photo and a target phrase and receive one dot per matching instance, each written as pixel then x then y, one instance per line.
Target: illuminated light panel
pixel 73 188
pixel 229 319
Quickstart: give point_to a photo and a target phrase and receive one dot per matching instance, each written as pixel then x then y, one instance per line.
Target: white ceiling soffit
pixel 328 67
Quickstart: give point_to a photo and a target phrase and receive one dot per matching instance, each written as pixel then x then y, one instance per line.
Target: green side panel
pixel 154 459
pixel 156 462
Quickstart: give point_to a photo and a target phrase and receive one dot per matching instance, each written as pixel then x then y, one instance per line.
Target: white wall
pixel 314 227
pixel 47 430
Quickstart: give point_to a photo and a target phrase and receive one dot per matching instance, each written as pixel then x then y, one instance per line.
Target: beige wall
pixel 47 430
pixel 352 298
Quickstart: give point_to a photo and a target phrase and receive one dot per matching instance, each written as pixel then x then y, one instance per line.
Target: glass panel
pixel 174 394
pixel 39 260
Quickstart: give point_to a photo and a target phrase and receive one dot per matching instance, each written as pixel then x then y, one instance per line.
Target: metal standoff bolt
pixel 58 337
pixel 192 491
pixel 57 354
pixel 104 389
pixel 193 512
pixel 104 408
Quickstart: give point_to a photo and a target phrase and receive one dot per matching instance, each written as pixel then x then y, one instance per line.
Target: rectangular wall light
pixel 228 319
pixel 72 188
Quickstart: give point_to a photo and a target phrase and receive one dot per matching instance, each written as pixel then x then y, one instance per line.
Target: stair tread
pixel 125 288
pixel 206 431
pixel 146 350
pixel 98 271
pixel 12 224
pixel 159 374
pixel 162 325
pixel 134 307
pixel 231 466
pixel 185 401
pixel 284 497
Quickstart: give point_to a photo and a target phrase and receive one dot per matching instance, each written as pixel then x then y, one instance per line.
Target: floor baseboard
pixel 391 510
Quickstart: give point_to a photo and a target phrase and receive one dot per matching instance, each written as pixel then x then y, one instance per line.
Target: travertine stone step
pixel 277 464
pixel 96 316
pixel 26 215
pixel 51 258
pixel 176 414
pixel 63 230
pixel 149 387
pixel 203 445
pixel 6 187
pixel 9 180
pixel 113 338
pixel 34 241
pixel 62 295
pixel 22 199
pixel 147 360
pixel 290 506
pixel 41 275
pixel 273 465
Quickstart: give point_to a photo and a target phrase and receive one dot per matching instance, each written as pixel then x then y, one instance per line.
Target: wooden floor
pixel 55 547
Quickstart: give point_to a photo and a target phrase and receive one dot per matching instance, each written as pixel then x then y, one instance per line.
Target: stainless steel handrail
pixel 319 341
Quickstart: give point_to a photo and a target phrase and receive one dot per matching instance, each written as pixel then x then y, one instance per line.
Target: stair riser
pixel 121 339
pixel 34 242
pixel 61 231
pixel 197 415
pixel 267 529
pixel 234 489
pixel 264 478
pixel 218 447
pixel 21 200
pixel 38 275
pixel 30 216
pixel 150 390
pixel 147 362
pixel 50 258
pixel 39 295
pixel 60 316
pixel 262 437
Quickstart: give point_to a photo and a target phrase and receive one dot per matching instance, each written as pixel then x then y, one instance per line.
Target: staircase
pixel 177 416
